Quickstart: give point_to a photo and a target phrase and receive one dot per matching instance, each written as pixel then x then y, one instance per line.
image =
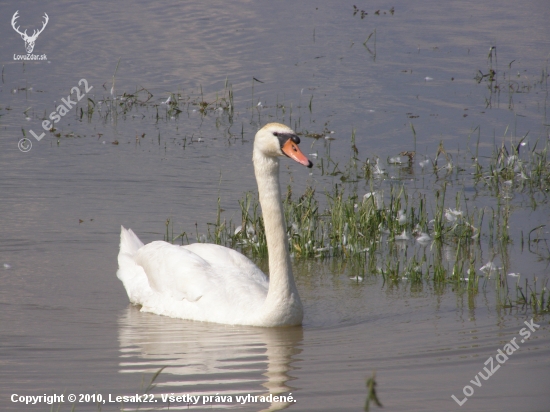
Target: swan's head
pixel 275 139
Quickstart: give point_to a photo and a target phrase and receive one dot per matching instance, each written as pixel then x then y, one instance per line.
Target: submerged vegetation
pixel 505 81
pixel 112 107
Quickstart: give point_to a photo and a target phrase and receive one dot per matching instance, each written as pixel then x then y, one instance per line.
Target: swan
pixel 212 283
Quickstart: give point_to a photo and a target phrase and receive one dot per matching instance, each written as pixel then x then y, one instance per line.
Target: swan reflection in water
pixel 203 359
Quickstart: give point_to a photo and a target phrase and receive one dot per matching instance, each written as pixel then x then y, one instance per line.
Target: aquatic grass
pixel 304 225
pixel 168 107
pixel 223 101
pixel 504 80
pixel 169 234
pixel 152 383
pixel 353 229
pixel 371 393
pixel 537 300
pixel 249 236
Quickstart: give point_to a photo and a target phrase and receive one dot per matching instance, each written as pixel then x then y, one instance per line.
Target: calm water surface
pixel 65 323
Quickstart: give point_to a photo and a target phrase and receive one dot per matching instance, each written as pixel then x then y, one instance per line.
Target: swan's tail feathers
pixel 129 242
pixel 129 272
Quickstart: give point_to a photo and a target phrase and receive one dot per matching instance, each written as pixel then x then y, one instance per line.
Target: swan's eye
pixel 284 138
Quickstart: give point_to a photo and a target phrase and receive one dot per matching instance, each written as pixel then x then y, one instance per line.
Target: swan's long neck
pixel 282 302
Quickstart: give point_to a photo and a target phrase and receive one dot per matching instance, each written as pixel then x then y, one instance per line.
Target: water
pixel 66 326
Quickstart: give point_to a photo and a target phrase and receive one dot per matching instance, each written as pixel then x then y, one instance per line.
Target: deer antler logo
pixel 29 40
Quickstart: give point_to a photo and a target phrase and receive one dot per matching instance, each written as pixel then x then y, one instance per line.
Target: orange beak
pixel 292 150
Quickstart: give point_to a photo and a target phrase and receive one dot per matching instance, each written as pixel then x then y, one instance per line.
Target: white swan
pixel 212 283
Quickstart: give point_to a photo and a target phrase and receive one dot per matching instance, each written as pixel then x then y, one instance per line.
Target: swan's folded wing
pixel 174 271
pixel 223 259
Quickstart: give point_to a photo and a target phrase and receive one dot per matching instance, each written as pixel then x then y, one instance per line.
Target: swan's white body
pixel 212 283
